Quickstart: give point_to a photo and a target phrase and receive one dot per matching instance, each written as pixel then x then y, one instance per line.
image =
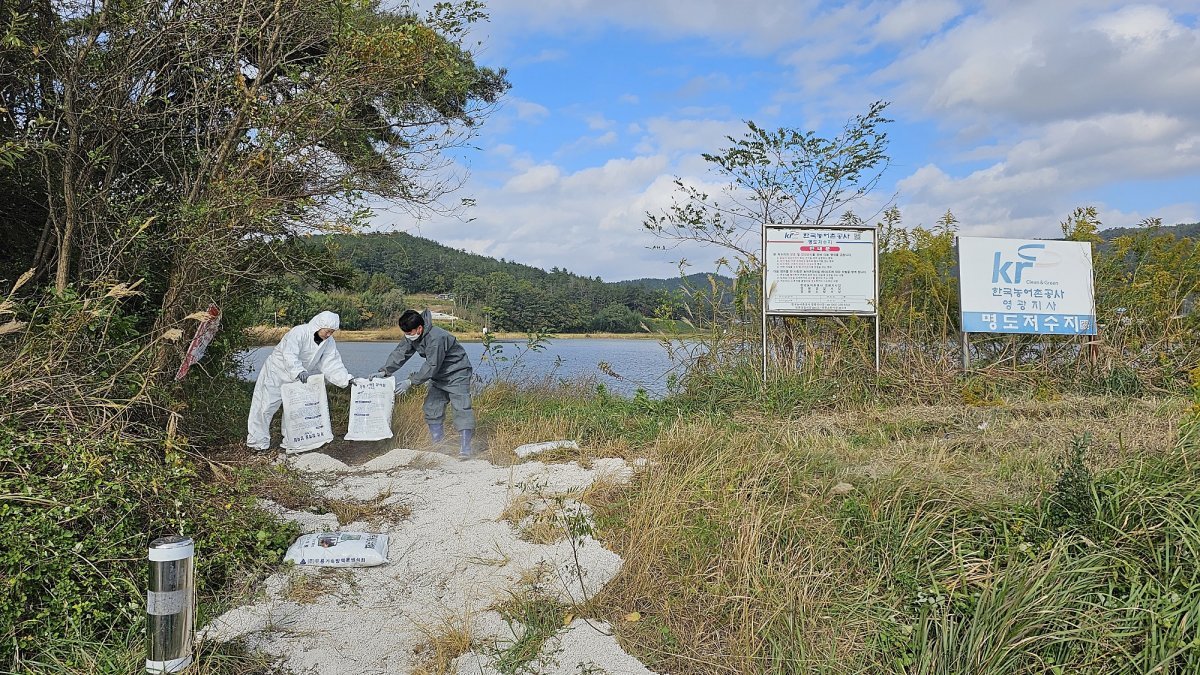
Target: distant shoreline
pixel 267 335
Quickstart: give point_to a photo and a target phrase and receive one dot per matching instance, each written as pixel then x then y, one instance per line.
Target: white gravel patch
pixel 308 522
pixel 450 563
pixel 582 647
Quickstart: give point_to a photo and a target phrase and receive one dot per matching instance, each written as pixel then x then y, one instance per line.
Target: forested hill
pixel 424 266
pixel 1179 231
pixel 507 295
pixel 697 280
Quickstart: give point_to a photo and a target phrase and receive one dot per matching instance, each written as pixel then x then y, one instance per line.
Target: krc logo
pixel 1001 268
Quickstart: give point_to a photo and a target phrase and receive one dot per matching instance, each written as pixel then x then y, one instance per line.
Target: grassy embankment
pixel 786 530
pixel 816 526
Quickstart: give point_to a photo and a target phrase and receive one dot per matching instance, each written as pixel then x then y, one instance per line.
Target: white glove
pixel 402 386
pixel 360 381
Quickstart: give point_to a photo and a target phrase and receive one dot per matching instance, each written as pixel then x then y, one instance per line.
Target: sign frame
pixel 1009 274
pixel 767 229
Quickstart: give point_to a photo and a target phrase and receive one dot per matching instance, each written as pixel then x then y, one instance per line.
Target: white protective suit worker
pixel 307 349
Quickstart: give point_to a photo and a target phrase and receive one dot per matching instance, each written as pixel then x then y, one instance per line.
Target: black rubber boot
pixel 464 451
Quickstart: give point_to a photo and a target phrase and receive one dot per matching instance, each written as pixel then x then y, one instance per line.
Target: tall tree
pixel 181 142
pixel 783 176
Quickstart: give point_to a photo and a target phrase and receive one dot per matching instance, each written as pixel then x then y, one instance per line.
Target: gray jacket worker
pixel 447 370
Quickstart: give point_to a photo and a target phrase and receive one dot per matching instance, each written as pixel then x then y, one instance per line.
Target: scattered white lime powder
pixel 450 562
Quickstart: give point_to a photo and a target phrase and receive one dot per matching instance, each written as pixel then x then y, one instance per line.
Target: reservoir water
pixel 638 364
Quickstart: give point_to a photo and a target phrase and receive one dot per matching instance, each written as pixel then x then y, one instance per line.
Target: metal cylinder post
pixel 170 605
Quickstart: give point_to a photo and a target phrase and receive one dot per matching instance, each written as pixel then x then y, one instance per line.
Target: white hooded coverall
pixel 296 352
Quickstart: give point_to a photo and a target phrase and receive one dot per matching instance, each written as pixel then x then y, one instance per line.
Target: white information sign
pixel 820 270
pixel 1026 286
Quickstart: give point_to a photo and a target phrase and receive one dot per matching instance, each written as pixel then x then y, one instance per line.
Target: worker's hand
pixel 360 381
pixel 378 375
pixel 303 376
pixel 402 386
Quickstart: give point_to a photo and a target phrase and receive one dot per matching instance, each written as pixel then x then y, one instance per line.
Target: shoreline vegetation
pixel 269 336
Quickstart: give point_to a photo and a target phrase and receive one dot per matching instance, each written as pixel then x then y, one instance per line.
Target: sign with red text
pixel 820 270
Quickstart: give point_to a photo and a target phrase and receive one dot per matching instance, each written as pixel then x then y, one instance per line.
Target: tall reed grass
pixel 777 529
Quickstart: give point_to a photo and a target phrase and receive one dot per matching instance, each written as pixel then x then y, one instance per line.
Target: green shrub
pixel 77 515
pixel 1070 504
pixel 94 464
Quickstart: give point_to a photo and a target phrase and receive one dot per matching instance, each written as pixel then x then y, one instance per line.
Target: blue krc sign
pixel 1032 287
pixel 1001 267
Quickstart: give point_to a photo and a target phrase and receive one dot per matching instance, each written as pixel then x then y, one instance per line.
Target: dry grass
pixel 307 587
pixel 408 423
pixel 373 512
pixel 504 436
pixel 732 528
pixel 291 490
pixel 545 526
pixel 425 461
pixel 286 487
pixel 534 577
pixel 538 517
pixel 445 642
pixel 518 508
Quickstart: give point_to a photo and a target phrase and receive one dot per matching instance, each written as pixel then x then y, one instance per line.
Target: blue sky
pixel 1009 113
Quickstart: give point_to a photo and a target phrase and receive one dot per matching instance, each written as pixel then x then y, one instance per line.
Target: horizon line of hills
pixel 381 268
pixel 371 262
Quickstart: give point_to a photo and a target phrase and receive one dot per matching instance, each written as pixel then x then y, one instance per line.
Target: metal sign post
pixel 827 270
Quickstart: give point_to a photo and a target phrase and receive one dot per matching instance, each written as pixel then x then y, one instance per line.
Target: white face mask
pixel 410 338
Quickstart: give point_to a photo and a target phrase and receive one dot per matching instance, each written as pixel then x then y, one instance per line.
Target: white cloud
pixel 528 110
pixel 1139 23
pixel 598 122
pixel 1038 107
pixel 1063 164
pixel 588 221
pixel 535 179
pixel 915 18
pixel 480 246
pixel 543 56
pixel 754 26
pixel 586 143
pixel 1061 100
pixel 703 84
pixel 615 175
pixel 1019 64
pixel 671 136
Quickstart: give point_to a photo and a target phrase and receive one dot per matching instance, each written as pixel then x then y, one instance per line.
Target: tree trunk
pixel 70 207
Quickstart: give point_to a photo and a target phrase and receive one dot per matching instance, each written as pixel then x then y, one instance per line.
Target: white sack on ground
pixel 305 422
pixel 371 410
pixel 339 549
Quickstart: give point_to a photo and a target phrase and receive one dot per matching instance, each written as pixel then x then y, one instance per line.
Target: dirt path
pixel 456 557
